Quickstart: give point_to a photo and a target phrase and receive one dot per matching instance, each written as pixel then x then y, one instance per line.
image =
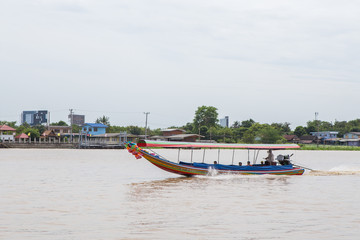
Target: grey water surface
pixel 108 194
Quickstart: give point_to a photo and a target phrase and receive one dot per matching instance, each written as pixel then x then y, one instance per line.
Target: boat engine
pixel 284 159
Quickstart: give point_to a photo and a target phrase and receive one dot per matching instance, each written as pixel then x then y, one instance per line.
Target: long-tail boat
pixel 282 166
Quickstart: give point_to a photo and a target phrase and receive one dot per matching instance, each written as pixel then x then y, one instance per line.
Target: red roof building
pixel 176 135
pixel 292 138
pixel 6 133
pixel 22 136
pixel 171 132
pixel 6 128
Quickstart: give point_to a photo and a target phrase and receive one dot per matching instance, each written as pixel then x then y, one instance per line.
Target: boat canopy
pixel 168 144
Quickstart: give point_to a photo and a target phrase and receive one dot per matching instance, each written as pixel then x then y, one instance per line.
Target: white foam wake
pixel 338 170
pixel 212 171
pixel 344 168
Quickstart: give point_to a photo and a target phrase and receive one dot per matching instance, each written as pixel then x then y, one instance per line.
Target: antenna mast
pixel 146 113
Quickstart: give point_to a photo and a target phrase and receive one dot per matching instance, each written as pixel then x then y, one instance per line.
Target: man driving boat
pixel 270 157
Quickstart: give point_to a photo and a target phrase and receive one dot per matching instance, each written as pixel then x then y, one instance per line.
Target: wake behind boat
pixel 283 166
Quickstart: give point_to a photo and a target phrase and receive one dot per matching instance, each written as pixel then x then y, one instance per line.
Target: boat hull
pixel 209 169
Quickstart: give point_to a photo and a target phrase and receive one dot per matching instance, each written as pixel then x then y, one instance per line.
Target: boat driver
pixel 270 157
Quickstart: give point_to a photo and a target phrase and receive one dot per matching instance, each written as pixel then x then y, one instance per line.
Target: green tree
pixel 327 126
pixel 236 124
pixel 321 125
pixel 252 132
pixel 247 123
pixel 238 130
pixel 155 132
pixel 353 126
pixel 10 124
pixel 40 128
pixel 238 133
pixel 203 131
pixel 355 129
pixel 104 120
pixel 189 128
pixel 60 123
pixel 34 133
pixel 22 127
pixel 225 135
pixel 341 127
pixel 135 130
pixel 248 137
pixel 76 128
pixel 300 131
pixel 310 129
pixel 269 134
pixel 115 129
pixel 205 116
pixel 213 133
pixel 284 128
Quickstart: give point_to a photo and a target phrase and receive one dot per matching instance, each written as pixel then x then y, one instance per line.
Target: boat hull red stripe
pixel 191 171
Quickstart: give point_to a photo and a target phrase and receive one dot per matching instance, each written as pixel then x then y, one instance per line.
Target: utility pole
pixel 146 113
pixel 318 133
pixel 48 123
pixel 71 123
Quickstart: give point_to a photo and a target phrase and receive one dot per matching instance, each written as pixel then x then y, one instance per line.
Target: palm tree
pixel 104 120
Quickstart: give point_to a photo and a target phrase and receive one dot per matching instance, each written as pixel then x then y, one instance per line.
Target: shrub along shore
pixel 322 147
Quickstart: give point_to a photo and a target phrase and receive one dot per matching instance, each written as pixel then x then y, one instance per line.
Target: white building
pixel 224 122
pixel 7 133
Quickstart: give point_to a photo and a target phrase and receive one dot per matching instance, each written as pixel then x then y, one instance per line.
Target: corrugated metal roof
pixel 349 140
pixel 59 127
pixel 330 132
pixel 98 125
pixel 182 136
pixel 355 133
pixel 172 129
pixel 290 137
pixel 175 137
pixel 113 135
pixel 332 139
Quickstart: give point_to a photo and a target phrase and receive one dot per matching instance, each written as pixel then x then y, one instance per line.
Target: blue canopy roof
pixel 97 125
pixel 235 167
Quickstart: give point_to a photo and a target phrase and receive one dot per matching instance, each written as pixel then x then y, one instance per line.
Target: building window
pixel 90 129
pixel 95 129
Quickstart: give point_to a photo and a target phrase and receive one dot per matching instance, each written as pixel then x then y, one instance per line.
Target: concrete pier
pixel 39 145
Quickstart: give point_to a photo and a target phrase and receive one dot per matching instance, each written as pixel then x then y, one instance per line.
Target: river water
pixel 108 194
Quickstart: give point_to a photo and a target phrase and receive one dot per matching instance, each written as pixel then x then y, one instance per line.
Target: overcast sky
pixel 272 61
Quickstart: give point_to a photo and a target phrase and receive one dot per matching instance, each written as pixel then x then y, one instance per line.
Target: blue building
pixel 325 135
pixel 351 139
pixel 94 128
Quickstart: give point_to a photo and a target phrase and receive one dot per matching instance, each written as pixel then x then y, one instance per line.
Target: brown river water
pixel 108 194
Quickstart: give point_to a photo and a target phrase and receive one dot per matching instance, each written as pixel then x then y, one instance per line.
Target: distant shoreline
pixel 54 146
pixel 321 147
pixel 303 147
